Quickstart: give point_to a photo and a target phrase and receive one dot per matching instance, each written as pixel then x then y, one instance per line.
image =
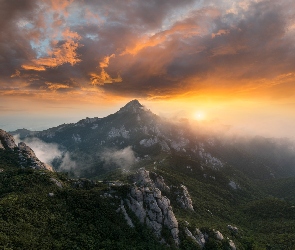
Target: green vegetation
pixel 264 219
pixel 37 214
pixel 73 218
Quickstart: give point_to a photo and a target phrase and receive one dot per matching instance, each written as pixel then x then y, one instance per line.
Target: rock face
pixel 126 216
pixel 197 236
pixel 201 239
pixel 6 140
pixel 150 207
pixel 159 182
pixel 184 198
pixel 28 157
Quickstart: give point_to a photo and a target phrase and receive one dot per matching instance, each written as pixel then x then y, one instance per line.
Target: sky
pixel 227 62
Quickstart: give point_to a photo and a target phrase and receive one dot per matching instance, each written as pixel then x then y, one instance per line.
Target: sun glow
pixel 199 116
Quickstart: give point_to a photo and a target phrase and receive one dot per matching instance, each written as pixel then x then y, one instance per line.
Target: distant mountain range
pixel 192 190
pixel 150 136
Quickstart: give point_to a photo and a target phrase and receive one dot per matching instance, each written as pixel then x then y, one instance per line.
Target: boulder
pixel 218 235
pixel 232 245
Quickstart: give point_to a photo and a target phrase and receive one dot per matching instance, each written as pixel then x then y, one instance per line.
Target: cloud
pixel 67 163
pixel 104 77
pixel 45 152
pixel 48 152
pixel 33 67
pixel 123 158
pixel 156 48
pixel 220 33
pixel 56 86
pixel 62 52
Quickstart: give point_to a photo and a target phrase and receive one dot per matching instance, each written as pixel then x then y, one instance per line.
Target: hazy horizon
pixel 255 128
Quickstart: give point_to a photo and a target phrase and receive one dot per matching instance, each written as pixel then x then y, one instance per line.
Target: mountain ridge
pixel 146 133
pixel 211 186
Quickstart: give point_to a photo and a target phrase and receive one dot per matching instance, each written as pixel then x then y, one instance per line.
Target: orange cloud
pixel 56 86
pixel 33 67
pixel 191 26
pixel 104 77
pixel 65 53
pixel 61 5
pixel 16 74
pixel 180 29
pixel 106 61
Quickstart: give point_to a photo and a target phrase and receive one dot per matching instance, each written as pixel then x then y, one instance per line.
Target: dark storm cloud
pixel 14 47
pixel 145 47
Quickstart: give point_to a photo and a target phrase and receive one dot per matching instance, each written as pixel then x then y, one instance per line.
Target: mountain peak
pixel 134 103
pixel 132 106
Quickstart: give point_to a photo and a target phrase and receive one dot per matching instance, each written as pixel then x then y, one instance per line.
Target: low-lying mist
pixel 49 153
pixel 276 150
pixel 123 158
pixel 65 161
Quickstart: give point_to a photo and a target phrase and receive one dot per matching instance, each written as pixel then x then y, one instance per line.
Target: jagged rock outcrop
pixel 142 178
pixel 26 155
pixel 197 236
pixel 189 234
pixel 151 207
pixel 126 216
pixel 6 140
pixel 184 198
pixel 201 239
pixel 28 158
pixel 159 182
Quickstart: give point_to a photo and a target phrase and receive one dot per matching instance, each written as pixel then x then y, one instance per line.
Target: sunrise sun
pixel 199 116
